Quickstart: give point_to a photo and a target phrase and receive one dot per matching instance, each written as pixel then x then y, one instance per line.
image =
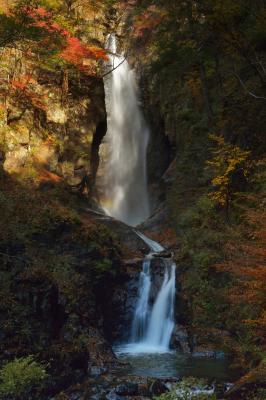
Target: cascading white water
pixel 154 246
pixel 140 322
pixel 126 199
pixel 161 323
pixel 126 194
pixel 152 327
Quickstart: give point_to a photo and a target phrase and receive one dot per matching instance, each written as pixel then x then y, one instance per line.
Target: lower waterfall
pixel 153 325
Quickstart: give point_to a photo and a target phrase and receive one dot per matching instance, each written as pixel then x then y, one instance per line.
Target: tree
pixel 36 27
pixel 227 161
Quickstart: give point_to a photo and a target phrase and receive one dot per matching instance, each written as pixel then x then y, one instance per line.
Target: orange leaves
pixel 77 53
pixel 246 263
pixel 23 82
pixel 39 12
pixel 126 4
pixel 41 18
pixel 47 176
pixel 57 39
pixel 98 53
pixel 147 21
pixel 24 88
pixel 18 85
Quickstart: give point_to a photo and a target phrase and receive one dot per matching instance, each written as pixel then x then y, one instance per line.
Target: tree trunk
pixel 205 92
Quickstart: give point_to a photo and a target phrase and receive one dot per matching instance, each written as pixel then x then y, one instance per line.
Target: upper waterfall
pixel 125 186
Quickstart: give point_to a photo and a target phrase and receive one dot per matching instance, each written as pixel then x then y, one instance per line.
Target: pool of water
pixel 172 364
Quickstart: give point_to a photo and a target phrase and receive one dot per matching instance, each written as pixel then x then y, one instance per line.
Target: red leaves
pixel 18 85
pixel 41 18
pixel 147 21
pixel 39 12
pixel 47 176
pixel 22 87
pixel 246 263
pixel 53 38
pixel 98 53
pixel 77 53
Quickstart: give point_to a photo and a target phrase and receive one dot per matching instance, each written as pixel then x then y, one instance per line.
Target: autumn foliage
pixel 246 263
pixel 147 21
pixel 23 86
pixel 78 54
pixel 74 50
pixel 227 161
pixel 48 35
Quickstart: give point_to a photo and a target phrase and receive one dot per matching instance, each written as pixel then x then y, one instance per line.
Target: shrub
pixel 22 378
pixel 184 391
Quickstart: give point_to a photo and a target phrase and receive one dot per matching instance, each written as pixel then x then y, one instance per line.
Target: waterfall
pixel 140 321
pixel 126 199
pixel 152 326
pixel 162 317
pixel 126 195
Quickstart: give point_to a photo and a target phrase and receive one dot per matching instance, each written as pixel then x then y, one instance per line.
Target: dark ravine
pixel 69 273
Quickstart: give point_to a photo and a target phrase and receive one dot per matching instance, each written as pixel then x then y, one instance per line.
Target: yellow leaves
pixel 220 180
pixel 227 160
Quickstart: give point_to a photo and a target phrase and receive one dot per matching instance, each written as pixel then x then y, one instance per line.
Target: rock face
pixel 118 310
pixel 61 132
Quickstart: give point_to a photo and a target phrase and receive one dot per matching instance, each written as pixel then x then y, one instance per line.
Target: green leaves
pixel 22 378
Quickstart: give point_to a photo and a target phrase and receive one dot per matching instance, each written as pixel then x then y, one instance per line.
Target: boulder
pixel 246 387
pixel 127 389
pixel 180 339
pixel 157 387
pixel 15 159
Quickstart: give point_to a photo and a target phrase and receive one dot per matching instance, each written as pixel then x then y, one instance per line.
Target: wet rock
pixel 95 371
pixel 163 254
pixel 119 309
pixel 159 221
pixel 100 351
pixel 157 387
pixel 125 234
pixel 75 396
pixel 128 389
pixel 134 262
pixel 208 353
pixel 180 339
pixel 112 395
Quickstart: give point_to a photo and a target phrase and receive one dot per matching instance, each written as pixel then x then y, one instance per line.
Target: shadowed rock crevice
pixel 98 136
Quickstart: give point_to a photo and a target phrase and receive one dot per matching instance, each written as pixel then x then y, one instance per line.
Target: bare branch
pixel 113 69
pixel 246 89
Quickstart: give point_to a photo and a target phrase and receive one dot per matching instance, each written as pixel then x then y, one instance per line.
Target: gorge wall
pixel 195 81
pixel 70 274
pixel 60 132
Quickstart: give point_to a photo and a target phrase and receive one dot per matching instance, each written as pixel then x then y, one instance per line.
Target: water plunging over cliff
pixel 126 194
pixel 153 325
pixel 126 199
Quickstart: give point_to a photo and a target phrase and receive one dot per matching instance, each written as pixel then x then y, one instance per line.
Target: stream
pixel 172 364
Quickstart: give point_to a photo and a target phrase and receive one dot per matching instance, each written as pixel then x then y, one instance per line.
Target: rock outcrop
pixel 53 123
